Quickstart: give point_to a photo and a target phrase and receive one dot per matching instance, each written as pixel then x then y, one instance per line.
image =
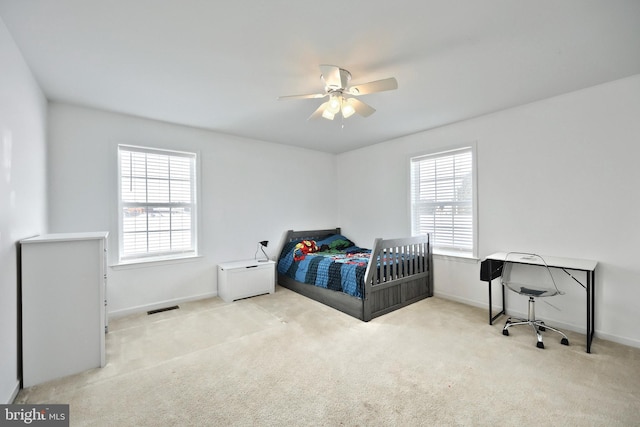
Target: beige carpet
pixel 284 360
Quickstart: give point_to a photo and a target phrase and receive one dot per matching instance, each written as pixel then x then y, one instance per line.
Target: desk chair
pixel 519 279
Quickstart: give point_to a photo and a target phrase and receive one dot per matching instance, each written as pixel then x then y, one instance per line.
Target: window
pixel 443 198
pixel 157 203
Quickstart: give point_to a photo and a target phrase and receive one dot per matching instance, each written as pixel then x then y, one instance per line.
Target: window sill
pixel 455 256
pixel 144 263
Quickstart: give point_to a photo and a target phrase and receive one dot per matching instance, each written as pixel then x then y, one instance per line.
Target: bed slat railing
pixel 399 259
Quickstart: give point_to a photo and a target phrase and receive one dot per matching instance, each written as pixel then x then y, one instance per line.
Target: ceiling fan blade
pixel 376 86
pixel 361 108
pixel 335 76
pixel 318 113
pixel 308 96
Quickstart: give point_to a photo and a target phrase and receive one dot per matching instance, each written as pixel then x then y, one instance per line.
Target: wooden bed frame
pixel 385 290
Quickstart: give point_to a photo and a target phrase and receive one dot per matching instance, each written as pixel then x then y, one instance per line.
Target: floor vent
pixel 160 310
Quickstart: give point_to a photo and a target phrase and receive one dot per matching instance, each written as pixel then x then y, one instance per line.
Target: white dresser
pixel 242 279
pixel 64 317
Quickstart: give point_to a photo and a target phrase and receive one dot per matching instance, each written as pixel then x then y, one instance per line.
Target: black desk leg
pixel 489 281
pixel 591 276
pixel 490 302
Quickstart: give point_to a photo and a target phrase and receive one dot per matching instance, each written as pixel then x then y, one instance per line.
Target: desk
pixel 496 260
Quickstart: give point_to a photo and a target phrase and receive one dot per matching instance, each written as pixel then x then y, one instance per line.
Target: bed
pixel 365 283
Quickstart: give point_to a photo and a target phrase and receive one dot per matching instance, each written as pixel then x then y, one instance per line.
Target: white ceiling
pixel 221 65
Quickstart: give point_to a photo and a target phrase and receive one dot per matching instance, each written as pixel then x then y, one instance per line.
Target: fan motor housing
pixel 345 76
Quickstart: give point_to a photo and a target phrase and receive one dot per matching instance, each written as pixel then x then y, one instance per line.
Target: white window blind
pixel 157 203
pixel 442 199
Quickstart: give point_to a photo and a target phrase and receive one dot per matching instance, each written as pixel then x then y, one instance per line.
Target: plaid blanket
pixel 334 263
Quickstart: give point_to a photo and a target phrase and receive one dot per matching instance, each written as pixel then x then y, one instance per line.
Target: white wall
pixel 22 191
pixel 557 177
pixel 249 191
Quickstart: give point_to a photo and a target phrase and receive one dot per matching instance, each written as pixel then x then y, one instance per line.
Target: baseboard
pixel 465 301
pixel 156 305
pixel 14 394
pixel 618 339
pixel 560 325
pixel 581 329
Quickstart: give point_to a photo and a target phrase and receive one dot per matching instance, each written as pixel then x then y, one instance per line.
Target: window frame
pixel 440 152
pixel 194 207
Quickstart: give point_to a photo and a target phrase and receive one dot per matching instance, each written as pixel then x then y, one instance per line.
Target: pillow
pixel 334 237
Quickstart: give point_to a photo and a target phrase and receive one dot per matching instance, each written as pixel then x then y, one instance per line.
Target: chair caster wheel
pixel 540 344
pixel 505 332
pixel 542 328
pixel 564 341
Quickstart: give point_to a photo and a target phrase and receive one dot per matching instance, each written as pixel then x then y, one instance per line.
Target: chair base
pixel 537 325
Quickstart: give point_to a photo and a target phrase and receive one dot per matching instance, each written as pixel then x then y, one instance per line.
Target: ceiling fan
pixel 342 98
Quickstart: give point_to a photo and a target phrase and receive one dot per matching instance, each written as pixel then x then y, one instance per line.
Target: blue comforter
pixel 334 263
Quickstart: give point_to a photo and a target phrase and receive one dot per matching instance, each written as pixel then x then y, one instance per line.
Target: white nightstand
pixel 247 278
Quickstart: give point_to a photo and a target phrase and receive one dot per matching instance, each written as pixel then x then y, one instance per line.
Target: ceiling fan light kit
pixel 342 96
pixel 335 101
pixel 347 109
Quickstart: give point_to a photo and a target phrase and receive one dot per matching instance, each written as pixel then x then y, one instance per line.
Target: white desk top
pixel 552 261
